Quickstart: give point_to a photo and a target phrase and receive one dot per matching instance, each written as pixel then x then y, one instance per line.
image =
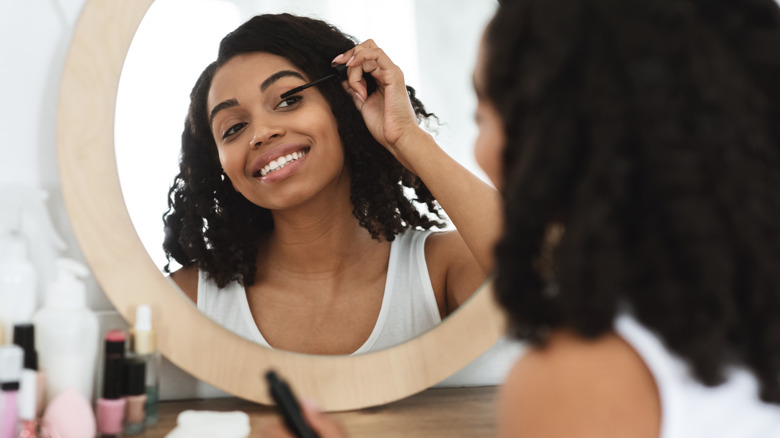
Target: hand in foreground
pixel 322 424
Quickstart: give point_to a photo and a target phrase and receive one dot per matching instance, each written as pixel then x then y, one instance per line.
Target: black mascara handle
pixel 341 71
pixel 288 406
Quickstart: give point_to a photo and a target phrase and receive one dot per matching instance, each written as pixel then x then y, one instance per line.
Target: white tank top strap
pixel 691 410
pixel 409 305
pixel 229 307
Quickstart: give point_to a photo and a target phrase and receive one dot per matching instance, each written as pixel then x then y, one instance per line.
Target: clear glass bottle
pixel 143 345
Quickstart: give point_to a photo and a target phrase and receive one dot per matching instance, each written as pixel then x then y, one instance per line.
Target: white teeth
pixel 281 162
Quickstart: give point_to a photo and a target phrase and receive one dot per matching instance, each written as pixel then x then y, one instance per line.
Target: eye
pixel 233 130
pixel 288 102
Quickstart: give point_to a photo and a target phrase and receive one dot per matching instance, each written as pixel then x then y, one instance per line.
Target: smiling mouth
pixel 280 163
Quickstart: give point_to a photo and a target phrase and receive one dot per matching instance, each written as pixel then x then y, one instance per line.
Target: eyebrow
pixel 278 75
pixel 223 105
pixel 263 86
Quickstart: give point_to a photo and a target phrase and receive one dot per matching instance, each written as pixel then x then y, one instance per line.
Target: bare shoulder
pixel 187 280
pixel 455 273
pixel 584 388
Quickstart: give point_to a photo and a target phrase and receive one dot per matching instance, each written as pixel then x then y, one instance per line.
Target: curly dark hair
pixel 210 225
pixel 649 131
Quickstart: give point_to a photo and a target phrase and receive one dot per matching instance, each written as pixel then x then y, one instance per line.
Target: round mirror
pixel 130 276
pixel 434 50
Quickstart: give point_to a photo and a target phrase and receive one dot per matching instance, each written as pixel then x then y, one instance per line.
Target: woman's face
pixel 277 153
pixel 489 145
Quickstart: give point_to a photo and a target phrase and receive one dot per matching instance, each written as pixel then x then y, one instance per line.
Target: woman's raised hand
pixel 387 112
pixel 471 204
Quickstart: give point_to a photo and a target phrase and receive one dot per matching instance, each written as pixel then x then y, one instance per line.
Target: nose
pixel 264 133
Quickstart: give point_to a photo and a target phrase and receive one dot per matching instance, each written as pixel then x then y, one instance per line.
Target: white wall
pixel 34 38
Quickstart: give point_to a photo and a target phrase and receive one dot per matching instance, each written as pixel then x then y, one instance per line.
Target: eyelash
pixel 292 100
pixel 233 130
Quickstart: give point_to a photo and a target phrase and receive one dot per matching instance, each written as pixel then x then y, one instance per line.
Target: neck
pixel 316 241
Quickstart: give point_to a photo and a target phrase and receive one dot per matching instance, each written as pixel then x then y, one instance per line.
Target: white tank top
pixel 691 410
pixel 408 307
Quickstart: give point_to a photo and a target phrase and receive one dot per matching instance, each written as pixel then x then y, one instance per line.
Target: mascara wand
pixel 339 71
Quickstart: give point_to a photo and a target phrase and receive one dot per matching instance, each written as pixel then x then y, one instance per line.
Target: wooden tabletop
pixel 436 412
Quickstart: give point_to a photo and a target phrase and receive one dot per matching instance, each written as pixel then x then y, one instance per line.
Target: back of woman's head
pixel 649 131
pixel 210 225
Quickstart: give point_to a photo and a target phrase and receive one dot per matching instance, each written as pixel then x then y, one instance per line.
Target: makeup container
pixel 11 357
pixel 134 391
pixel 33 391
pixel 69 415
pixel 111 405
pixel 66 333
pixel 18 281
pixel 143 345
pixel 24 337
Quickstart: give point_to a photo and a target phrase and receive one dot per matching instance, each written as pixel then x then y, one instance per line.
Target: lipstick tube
pixel 111 405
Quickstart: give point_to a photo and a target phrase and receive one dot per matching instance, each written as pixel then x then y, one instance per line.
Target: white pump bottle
pixel 18 297
pixel 66 333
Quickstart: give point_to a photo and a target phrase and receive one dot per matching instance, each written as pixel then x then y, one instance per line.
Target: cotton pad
pixel 208 424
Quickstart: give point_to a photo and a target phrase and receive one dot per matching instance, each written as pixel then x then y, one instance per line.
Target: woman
pixel 291 217
pixel 640 174
pixel 636 147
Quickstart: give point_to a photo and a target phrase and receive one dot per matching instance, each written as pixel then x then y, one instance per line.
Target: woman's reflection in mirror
pixel 314 223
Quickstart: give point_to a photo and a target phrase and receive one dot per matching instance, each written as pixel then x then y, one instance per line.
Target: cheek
pixel 480 151
pixel 231 165
pixel 329 134
pixel 488 151
pixel 224 160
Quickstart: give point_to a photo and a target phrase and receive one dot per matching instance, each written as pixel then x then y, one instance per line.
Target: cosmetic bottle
pixel 66 333
pixel 25 214
pixel 143 345
pixel 134 391
pixel 33 379
pixel 11 357
pixel 111 405
pixel 30 397
pixel 18 295
pixel 28 420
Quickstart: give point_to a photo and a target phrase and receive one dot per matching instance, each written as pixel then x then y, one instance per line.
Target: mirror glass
pixel 433 41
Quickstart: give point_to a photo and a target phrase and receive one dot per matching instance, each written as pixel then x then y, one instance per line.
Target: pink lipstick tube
pixel 111 405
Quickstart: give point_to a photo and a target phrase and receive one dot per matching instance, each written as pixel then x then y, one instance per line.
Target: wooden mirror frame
pixel 189 339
